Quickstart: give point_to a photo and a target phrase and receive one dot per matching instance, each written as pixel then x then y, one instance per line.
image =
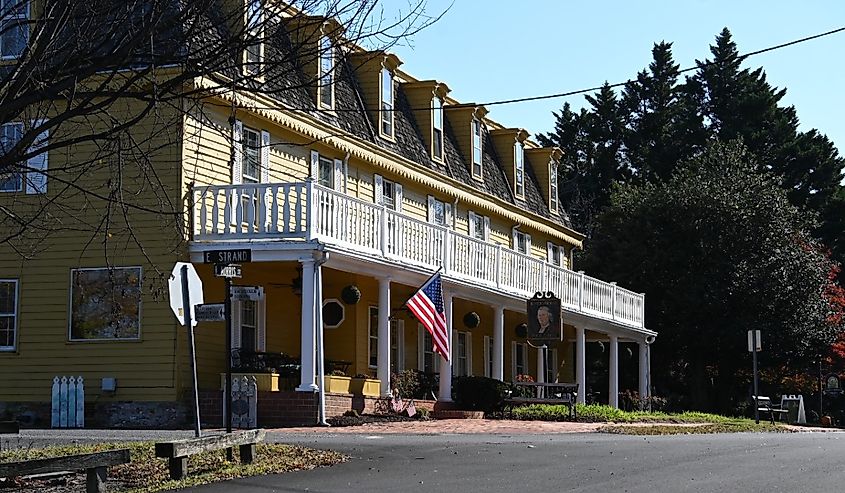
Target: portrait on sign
pixel 544 320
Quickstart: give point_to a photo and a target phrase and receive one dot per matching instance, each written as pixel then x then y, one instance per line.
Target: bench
pixel 526 393
pixel 95 466
pixel 178 451
pixel 764 405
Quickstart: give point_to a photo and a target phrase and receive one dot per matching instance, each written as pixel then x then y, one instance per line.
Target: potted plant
pixel 522 331
pixel 471 320
pixel 350 294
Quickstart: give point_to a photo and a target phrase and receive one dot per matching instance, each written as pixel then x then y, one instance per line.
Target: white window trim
pixel 515 233
pixel 488 357
pixel 472 221
pixel 14 314
pixel 378 193
pixel 519 169
pixel 386 115
pixel 260 322
pixel 140 307
pixel 421 332
pixel 523 347
pixel 437 107
pixel 261 166
pixel 476 129
pixel 448 217
pixel 18 173
pixel 552 366
pixel 342 310
pixel 25 16
pixel 468 335
pixel 326 52
pixel 554 200
pixel 397 359
pixel 370 335
pixel 561 254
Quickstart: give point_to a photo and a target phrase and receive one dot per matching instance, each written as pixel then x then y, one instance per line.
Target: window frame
pixel 17 173
pixel 554 200
pixel 247 150
pixel 254 28
pixel 372 338
pixel 140 305
pixel 437 140
pixel 558 251
pixel 329 162
pixel 521 244
pixel 477 150
pixel 519 169
pixel 426 350
pixel 462 366
pixel 388 199
pixel 325 73
pixel 387 126
pixel 521 349
pixel 22 18
pixel 15 314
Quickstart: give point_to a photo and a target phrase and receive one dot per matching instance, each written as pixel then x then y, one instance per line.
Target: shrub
pixel 479 393
pixel 414 384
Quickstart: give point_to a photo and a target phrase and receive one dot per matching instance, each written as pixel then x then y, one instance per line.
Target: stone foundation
pixel 113 415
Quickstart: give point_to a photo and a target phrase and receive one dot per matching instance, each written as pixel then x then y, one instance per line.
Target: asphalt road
pixel 746 462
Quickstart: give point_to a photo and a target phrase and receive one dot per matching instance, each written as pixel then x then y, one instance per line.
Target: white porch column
pixel 498 342
pixel 643 370
pixel 384 335
pixel 580 364
pixel 307 346
pixel 445 394
pixel 613 399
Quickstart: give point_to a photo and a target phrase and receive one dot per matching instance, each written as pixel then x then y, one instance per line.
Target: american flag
pixel 427 305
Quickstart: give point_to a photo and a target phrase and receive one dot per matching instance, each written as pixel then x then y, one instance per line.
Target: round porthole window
pixel 333 313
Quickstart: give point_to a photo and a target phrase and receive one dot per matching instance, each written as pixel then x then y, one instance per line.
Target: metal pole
pixel 754 359
pixel 821 393
pixel 189 323
pixel 227 282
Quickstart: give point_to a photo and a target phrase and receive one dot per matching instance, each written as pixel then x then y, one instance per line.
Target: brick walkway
pixel 453 426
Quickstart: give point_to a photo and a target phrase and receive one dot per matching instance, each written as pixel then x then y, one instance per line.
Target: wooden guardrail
pixel 95 466
pixel 178 451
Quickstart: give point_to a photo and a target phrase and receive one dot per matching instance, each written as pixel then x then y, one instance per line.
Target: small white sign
pixel 177 303
pixel 212 312
pixel 751 341
pixel 247 293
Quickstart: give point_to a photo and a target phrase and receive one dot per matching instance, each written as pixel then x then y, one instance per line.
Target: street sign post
pixel 235 256
pixel 754 346
pixel 185 285
pixel 211 312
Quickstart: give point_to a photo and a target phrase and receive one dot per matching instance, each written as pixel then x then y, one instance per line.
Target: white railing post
pixel 447 247
pixel 544 280
pixel 498 265
pixel 581 291
pixel 310 212
pixel 383 227
pixel 613 301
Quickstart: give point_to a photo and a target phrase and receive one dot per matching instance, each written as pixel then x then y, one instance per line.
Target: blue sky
pixel 495 49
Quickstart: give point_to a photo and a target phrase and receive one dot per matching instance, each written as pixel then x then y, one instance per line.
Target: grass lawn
pixel 147 474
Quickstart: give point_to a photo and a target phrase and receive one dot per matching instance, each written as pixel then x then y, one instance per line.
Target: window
pixel 437 212
pixel 429 361
pixel 8 314
pixel 252 156
pixel 521 242
pixel 372 348
pixel 386 102
pixel 519 359
pixel 463 349
pixel 105 304
pixel 14 30
pixel 397 346
pixel 326 73
pixel 10 135
pixel 553 199
pixel 388 193
pixel 488 357
pixel 551 365
pixel 519 169
pixel 437 126
pixel 476 148
pixel 479 226
pixel 555 253
pixel 326 172
pixel 255 37
pixel 249 325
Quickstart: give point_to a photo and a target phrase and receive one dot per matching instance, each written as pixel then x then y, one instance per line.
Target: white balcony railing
pixel 306 211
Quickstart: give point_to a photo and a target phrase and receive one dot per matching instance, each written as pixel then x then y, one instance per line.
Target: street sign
pixel 210 312
pixel 230 270
pixel 227 256
pixel 174 285
pixel 751 342
pixel 247 293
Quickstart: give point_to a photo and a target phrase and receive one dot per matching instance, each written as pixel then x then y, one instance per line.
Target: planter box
pixel 355 386
pixel 266 382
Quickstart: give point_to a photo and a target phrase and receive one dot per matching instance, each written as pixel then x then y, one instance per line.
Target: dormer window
pixel 519 169
pixel 386 102
pixel 14 26
pixel 254 53
pixel 437 126
pixel 476 149
pixel 553 198
pixel 326 76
